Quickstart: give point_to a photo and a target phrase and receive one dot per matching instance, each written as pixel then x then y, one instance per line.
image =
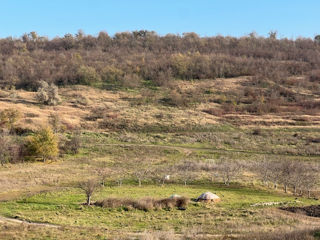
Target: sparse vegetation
pixel 139 117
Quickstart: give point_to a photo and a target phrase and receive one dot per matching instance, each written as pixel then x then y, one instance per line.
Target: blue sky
pixel 291 18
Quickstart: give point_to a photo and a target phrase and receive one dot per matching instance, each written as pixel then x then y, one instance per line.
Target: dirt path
pixel 14 220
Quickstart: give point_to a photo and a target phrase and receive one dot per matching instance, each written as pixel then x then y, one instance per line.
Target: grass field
pixel 233 215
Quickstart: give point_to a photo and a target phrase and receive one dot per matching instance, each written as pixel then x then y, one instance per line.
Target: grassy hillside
pixel 147 116
pixel 123 131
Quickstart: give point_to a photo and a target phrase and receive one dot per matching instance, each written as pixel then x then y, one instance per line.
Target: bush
pixel 145 204
pixel 48 94
pixel 43 145
pixel 130 81
pixel 73 144
pixel 112 75
pixel 87 75
pixel 10 151
pixel 8 118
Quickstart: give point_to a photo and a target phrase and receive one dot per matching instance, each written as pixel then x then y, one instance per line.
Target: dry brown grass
pixel 88 108
pixel 145 204
pixel 21 179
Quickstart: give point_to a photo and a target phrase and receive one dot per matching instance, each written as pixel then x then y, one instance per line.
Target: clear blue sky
pixel 291 18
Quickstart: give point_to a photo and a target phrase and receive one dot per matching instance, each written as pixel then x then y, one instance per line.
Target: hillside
pixel 139 117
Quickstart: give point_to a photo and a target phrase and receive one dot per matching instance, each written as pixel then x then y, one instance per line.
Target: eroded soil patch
pixel 312 211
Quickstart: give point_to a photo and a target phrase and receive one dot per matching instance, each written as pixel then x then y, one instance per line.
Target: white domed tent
pixel 208 197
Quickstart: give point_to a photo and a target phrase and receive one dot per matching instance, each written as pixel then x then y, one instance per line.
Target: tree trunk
pixel 185 182
pixel 120 183
pixel 88 200
pixel 139 182
pixel 285 188
pixel 295 190
pixel 309 194
pixel 275 185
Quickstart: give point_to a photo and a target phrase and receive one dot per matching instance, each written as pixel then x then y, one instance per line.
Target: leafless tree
pixel 141 174
pixel 310 178
pixel 264 170
pixel 287 170
pixel 187 170
pixel 103 173
pixel 227 170
pixel 89 187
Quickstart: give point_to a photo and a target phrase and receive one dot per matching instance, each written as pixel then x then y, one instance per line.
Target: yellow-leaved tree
pixel 42 145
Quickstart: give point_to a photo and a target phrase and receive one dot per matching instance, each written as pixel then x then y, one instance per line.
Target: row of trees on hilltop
pixel 127 58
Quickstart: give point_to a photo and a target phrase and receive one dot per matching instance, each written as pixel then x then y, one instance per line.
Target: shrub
pixel 43 144
pixel 73 144
pixel 112 75
pixel 8 118
pixel 130 81
pixel 87 75
pixel 48 94
pixel 145 204
pixel 10 151
pixel 55 122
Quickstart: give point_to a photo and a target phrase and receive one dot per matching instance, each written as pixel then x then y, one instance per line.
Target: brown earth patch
pixel 312 211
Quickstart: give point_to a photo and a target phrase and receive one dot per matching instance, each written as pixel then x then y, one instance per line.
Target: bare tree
pixel 187 171
pixel 141 174
pixel 55 122
pixel 275 173
pixel 227 170
pixel 287 169
pixel 162 174
pixel 298 175
pixel 103 173
pixel 120 174
pixel 89 187
pixel 264 169
pixel 310 178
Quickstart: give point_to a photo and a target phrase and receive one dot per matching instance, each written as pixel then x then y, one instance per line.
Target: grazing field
pixel 240 211
pixel 245 127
